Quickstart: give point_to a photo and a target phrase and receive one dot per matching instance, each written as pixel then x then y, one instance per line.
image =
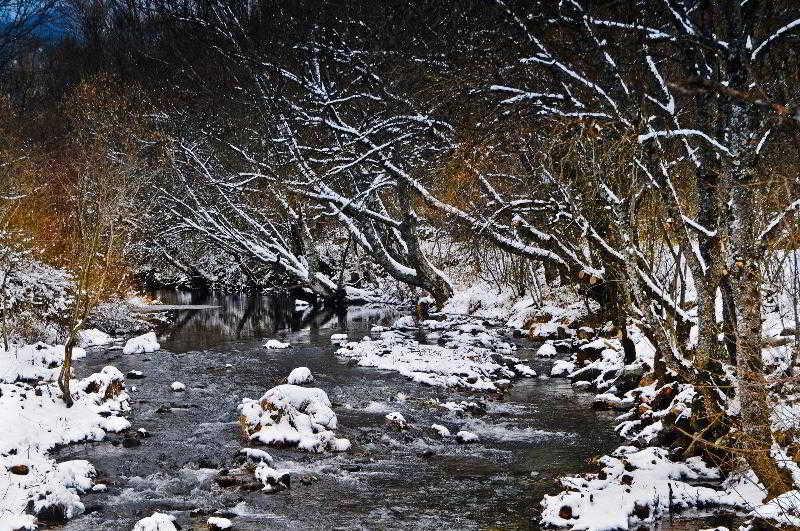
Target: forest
pixel 494 264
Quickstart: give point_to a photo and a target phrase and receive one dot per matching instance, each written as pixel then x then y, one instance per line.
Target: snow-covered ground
pixel 469 355
pixel 34 420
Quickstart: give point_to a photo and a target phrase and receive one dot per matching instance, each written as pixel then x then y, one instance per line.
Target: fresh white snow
pixel 142 344
pixel 300 375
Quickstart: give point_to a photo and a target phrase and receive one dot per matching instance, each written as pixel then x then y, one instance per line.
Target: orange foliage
pixel 55 189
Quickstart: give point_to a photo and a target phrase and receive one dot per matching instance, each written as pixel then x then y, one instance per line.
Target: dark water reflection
pixel 242 316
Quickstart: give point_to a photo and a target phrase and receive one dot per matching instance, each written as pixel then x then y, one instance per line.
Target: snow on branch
pixel 772 39
pixel 683 133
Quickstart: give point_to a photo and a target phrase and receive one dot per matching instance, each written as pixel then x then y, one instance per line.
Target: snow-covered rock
pixel 156 522
pixel 257 455
pixel 442 431
pixel 141 344
pixel 397 420
pixel 464 436
pixel 272 479
pixel 93 338
pixel 300 375
pixel 178 386
pixel 289 415
pixel 275 344
pixel 217 523
pixel 547 350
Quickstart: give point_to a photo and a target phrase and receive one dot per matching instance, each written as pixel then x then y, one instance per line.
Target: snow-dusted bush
pixel 34 296
pixel 116 318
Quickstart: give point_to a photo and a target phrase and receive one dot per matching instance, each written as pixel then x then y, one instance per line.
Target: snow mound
pixel 156 522
pixel 466 437
pixel 217 522
pixel 34 362
pixel 547 350
pixel 178 386
pixel 93 338
pixel 289 415
pixel 442 431
pixel 300 375
pixel 464 361
pixel 142 344
pixel 274 344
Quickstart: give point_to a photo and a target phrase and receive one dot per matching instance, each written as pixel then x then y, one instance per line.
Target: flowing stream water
pixel 540 430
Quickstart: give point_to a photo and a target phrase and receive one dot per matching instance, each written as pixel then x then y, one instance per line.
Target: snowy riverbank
pixel 34 420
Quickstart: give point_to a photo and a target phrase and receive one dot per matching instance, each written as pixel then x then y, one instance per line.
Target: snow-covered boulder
pixel 156 522
pixel 178 387
pixel 217 523
pixel 254 454
pixel 300 375
pixel 290 415
pixel 396 420
pixel 93 338
pixel 440 430
pixel 547 350
pixel 273 480
pixel 142 344
pixel 465 436
pixel 275 344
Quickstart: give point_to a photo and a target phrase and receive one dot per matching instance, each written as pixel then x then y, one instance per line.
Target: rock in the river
pixel 338 338
pixel 145 343
pixel 466 437
pixel 290 415
pixel 300 375
pixel 217 523
pixel 157 522
pixel 135 375
pixel 178 387
pixel 396 420
pixel 273 480
pixel 274 344
pixel 440 430
pixel 547 350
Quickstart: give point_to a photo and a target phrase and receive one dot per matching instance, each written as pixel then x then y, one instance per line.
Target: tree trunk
pixel 65 375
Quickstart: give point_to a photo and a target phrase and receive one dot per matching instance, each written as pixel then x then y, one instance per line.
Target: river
pixel 542 429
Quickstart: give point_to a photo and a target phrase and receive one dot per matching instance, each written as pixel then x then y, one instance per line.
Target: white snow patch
pixel 156 522
pixel 464 436
pixel 275 344
pixel 300 375
pixel 99 400
pixel 217 522
pixel 93 338
pixel 142 344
